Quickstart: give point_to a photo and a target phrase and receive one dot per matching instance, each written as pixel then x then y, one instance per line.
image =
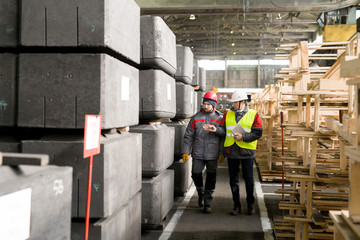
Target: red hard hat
pixel 211 95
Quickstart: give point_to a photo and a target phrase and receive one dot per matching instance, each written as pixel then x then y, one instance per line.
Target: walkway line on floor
pixel 265 221
pixel 176 217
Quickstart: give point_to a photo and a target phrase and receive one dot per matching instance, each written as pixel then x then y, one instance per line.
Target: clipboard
pixel 239 129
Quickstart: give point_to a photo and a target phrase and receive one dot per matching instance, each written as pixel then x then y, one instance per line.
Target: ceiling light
pixel 234 53
pixel 276 49
pixel 192 17
pixel 231 31
pixel 233 44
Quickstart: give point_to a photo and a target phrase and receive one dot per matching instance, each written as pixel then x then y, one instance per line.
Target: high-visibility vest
pixel 246 122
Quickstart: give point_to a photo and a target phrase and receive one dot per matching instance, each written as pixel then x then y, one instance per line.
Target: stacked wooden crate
pixel 315 163
pixel 347 222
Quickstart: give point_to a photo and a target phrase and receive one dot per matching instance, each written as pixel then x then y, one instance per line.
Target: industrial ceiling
pixel 241 29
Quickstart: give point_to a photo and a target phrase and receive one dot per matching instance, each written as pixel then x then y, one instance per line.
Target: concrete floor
pixel 187 221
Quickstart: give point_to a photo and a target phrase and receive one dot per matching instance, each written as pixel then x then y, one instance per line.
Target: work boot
pixel 200 200
pixel 250 209
pixel 207 209
pixel 200 192
pixel 236 210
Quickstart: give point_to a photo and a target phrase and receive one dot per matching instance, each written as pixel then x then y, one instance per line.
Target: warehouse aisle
pixel 187 221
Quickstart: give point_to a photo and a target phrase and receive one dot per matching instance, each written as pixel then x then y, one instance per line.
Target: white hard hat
pixel 238 95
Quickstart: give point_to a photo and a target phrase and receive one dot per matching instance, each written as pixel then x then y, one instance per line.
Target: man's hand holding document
pixel 238 132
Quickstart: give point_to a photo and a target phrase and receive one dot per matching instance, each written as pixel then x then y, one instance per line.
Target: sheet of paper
pixel 15 209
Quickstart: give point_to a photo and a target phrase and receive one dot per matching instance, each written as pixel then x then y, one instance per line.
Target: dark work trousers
pixel 196 174
pixel 247 172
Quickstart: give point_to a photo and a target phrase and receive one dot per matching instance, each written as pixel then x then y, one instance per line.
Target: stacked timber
pixel 347 221
pixel 59 62
pixel 314 102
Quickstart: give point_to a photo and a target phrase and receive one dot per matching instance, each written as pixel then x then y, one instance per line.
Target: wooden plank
pixel 341 226
pixel 314 144
pixel 350 67
pixel 299 177
pixel 292 206
pixel 300 219
pixel 312 134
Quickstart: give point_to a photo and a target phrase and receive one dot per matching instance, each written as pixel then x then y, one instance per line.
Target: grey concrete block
pixel 184 100
pixel 200 99
pixel 202 79
pixel 158 44
pixel 9 144
pixel 49 191
pixel 57 90
pixel 157 95
pixel 124 224
pixel 184 60
pixel 157 147
pixel 182 177
pixel 195 78
pixel 180 128
pixel 157 198
pixel 85 23
pixel 9 30
pixel 7 88
pixel 116 170
pixel 196 102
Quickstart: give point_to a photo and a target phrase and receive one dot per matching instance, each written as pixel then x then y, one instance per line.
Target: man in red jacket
pixel 204 147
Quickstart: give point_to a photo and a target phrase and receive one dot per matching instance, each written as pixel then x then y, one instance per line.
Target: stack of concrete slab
pixel 185 61
pixel 184 78
pixel 123 224
pixel 83 23
pixel 182 177
pixel 184 101
pixel 158 152
pixel 57 90
pixel 158 61
pixel 81 58
pixel 160 200
pixel 157 95
pixel 9 22
pixel 182 172
pixel 113 186
pixel 157 147
pixel 158 45
pixel 116 173
pixel 180 127
pixel 7 88
pixel 202 79
pixel 35 202
pixel 199 96
pixel 195 78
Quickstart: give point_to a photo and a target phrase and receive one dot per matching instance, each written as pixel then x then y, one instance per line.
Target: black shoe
pixel 250 209
pixel 200 201
pixel 207 209
pixel 235 211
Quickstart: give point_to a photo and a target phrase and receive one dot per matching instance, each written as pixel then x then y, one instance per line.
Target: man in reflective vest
pixel 240 147
pixel 204 147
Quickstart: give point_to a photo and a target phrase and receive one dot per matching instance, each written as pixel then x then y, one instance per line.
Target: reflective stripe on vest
pixel 246 122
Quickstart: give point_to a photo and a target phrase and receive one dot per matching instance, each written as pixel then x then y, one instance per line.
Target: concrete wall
pixel 242 76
